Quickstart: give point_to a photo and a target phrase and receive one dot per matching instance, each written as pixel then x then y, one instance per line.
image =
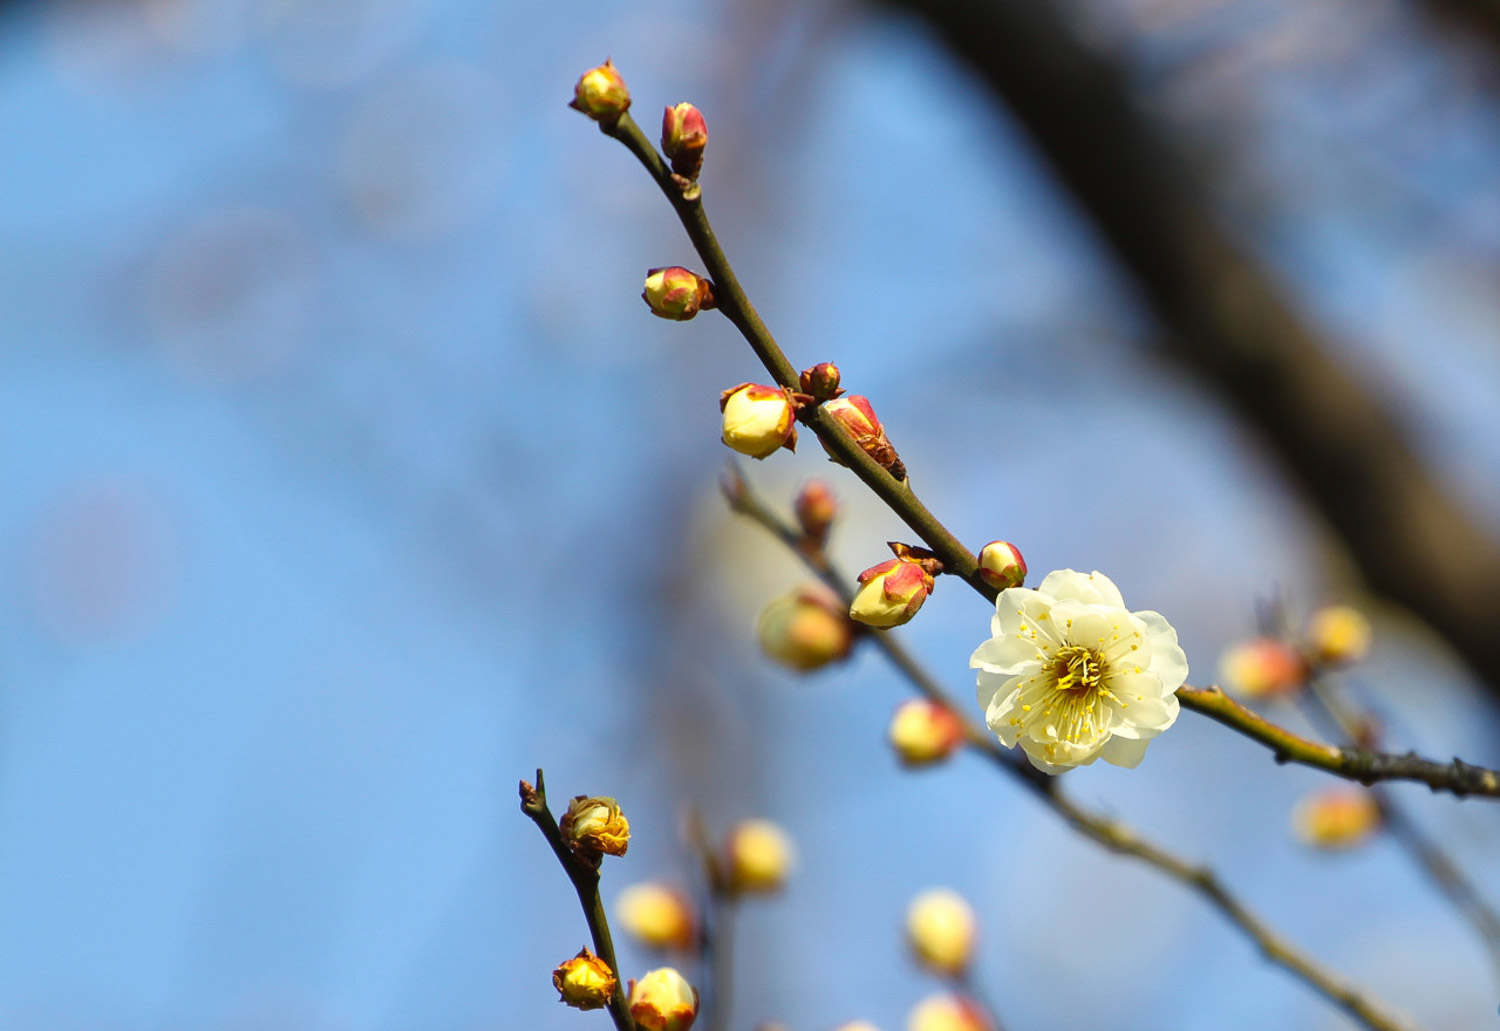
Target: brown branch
pixel 585 880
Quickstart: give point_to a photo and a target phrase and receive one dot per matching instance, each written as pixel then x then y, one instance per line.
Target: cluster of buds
pixel 856 415
pixel 684 135
pixel 594 827
pixel 1336 818
pixel 757 857
pixel 1001 565
pixel 584 982
pixel 891 593
pixel 947 1013
pixel 815 508
pixel 657 916
pixel 940 927
pixel 758 419
pixel 924 732
pixel 806 629
pixel 663 1001
pixel 601 94
pixel 677 293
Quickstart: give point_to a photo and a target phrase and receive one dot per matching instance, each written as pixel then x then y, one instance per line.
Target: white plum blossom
pixel 1071 675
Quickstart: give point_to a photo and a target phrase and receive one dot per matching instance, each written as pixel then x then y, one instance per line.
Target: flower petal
pixel 1005 654
pixel 1124 751
pixel 1168 660
pixel 1090 588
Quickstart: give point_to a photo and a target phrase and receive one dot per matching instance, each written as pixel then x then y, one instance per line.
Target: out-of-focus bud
pixel 816 509
pixel 924 732
pixel 1263 668
pixel 677 293
pixel 891 592
pixel 1338 635
pixel 684 134
pixel 601 94
pixel 657 916
pixel 805 630
pixel 940 927
pixel 584 982
pixel 663 1001
pixel 947 1013
pixel 1336 818
pixel 821 381
pixel 595 826
pixel 1001 565
pixel 857 416
pixel 857 1025
pixel 758 419
pixel 759 856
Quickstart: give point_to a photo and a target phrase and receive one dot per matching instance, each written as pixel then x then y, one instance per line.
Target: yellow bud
pixel 676 293
pixel 1001 565
pixel 663 1001
pixel 947 1013
pixel 595 826
pixel 656 915
pixel 759 856
pixel 758 419
pixel 1338 635
pixel 1336 818
pixel 940 927
pixel 924 732
pixel 584 982
pixel 805 630
pixel 1262 668
pixel 601 94
pixel 857 1025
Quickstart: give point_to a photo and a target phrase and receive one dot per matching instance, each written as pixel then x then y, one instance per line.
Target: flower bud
pixel 676 293
pixel 857 1025
pixel 657 916
pixel 663 1001
pixel 821 381
pixel 1338 635
pixel 601 94
pixel 1263 668
pixel 595 826
pixel 856 415
pixel 924 732
pixel 805 630
pixel 684 134
pixel 940 927
pixel 1336 818
pixel 584 982
pixel 758 419
pixel 1001 565
pixel 759 856
pixel 891 592
pixel 947 1013
pixel 816 509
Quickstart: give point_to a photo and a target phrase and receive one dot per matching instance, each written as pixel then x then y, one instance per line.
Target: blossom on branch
pixel 1071 675
pixel 584 982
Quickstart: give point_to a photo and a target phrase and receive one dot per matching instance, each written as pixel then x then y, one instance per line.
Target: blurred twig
pixel 716 930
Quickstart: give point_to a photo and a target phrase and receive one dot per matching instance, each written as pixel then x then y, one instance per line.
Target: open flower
pixel 1071 675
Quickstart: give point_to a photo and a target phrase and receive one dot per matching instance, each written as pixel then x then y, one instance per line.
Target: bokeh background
pixel 348 480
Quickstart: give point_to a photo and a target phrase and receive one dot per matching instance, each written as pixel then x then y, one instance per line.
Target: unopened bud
pixel 816 509
pixel 924 732
pixel 684 134
pixel 657 916
pixel 1336 818
pixel 601 94
pixel 758 419
pixel 805 630
pixel 759 856
pixel 821 381
pixel 1338 635
pixel 1001 565
pixel 677 293
pixel 584 982
pixel 857 1025
pixel 595 826
pixel 891 593
pixel 940 927
pixel 857 416
pixel 1263 668
pixel 663 1001
pixel 947 1013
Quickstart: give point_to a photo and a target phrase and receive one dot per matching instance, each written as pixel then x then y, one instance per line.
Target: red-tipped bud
pixel 1263 668
pixel 676 293
pixel 924 732
pixel 816 509
pixel 855 414
pixel 663 1001
pixel 601 94
pixel 805 630
pixel 821 381
pixel 758 419
pixel 1001 565
pixel 584 982
pixel 684 134
pixel 891 592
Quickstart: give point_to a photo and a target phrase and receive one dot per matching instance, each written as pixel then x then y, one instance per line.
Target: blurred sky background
pixel 348 480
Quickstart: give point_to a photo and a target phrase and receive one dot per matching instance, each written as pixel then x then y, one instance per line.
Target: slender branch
pixel 716 931
pixel 1363 765
pixel 585 879
pixel 1113 835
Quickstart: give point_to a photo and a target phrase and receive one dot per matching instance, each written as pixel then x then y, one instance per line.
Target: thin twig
pixel 716 930
pixel 1111 834
pixel 585 879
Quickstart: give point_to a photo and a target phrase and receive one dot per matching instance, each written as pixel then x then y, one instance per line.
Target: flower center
pixel 1076 669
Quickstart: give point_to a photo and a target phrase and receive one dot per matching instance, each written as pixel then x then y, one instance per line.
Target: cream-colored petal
pixel 1124 751
pixel 1168 660
pixel 1140 708
pixel 1090 588
pixel 988 685
pixel 1006 655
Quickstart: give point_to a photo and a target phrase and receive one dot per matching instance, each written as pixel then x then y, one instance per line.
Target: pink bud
pixel 676 293
pixel 816 509
pixel 856 415
pixel 684 135
pixel 1001 565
